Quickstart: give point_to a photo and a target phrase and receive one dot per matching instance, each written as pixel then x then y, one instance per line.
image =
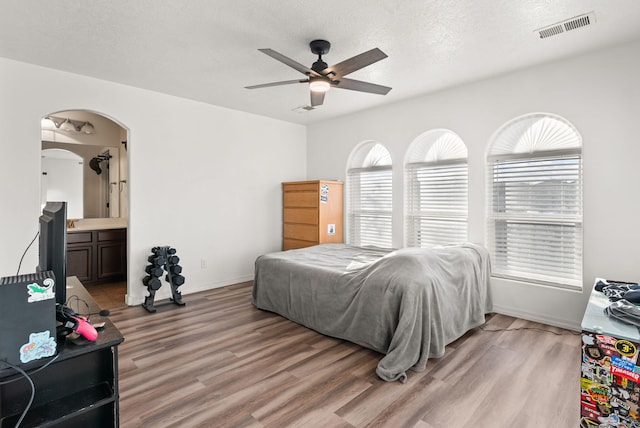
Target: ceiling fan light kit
pixel 321 77
pixel 319 85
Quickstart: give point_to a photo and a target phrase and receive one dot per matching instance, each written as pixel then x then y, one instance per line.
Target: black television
pixel 53 246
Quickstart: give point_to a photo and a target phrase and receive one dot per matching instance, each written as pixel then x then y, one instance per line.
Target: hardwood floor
pixel 220 362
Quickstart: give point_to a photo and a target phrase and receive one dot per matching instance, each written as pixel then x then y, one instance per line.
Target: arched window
pixel 369 199
pixel 535 201
pixel 436 195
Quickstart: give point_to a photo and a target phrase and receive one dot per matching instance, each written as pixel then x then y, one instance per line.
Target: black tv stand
pixel 78 389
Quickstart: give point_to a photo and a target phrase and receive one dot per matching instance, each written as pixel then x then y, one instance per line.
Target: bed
pixel 407 304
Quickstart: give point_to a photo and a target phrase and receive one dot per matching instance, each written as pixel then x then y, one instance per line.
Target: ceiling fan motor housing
pixel 319 65
pixel 320 47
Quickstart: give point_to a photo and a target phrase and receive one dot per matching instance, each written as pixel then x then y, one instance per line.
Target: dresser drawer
pixel 112 235
pixel 292 244
pixel 304 232
pixel 301 215
pixel 301 187
pixel 78 237
pixel 301 199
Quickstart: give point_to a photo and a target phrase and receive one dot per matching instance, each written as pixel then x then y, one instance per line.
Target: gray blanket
pixel 407 304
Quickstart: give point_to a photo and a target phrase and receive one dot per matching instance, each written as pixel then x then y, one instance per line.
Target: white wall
pixel 203 179
pixel 599 93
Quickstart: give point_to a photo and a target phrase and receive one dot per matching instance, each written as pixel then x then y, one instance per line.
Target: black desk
pixel 78 389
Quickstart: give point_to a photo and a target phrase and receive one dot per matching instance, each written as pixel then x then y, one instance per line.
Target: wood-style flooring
pixel 220 362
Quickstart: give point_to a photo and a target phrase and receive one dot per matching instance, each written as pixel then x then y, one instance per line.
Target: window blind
pixel 370 206
pixel 536 217
pixel 437 201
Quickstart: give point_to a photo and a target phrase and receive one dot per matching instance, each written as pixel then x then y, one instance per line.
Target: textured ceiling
pixel 206 50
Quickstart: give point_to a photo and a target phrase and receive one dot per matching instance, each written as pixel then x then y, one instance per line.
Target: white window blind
pixel 370 206
pixel 534 207
pixel 535 216
pixel 437 194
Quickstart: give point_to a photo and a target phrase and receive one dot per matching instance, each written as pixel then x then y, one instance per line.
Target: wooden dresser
pixel 312 213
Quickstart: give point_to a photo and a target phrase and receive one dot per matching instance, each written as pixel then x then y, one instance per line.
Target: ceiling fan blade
pixel 317 98
pixel 290 62
pixel 285 82
pixel 357 62
pixel 357 85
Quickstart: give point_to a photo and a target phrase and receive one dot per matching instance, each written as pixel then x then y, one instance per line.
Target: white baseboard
pixel 210 286
pixel 536 317
pixel 192 289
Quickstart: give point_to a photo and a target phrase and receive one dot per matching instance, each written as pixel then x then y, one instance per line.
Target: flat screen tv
pixel 53 246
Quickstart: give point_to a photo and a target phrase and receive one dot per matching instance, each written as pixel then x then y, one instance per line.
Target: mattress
pixel 407 304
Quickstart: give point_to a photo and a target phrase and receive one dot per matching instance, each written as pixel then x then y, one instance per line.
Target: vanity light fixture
pixel 87 128
pixel 68 125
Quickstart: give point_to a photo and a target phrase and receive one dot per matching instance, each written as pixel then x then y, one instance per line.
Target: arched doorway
pixel 97 229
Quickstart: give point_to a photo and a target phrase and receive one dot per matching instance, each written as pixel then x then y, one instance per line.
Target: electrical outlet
pixel 203 264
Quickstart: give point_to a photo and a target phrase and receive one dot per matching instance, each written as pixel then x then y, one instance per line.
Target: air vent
pixel 567 25
pixel 550 31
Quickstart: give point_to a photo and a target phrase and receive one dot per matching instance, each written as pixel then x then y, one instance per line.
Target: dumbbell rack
pixel 162 259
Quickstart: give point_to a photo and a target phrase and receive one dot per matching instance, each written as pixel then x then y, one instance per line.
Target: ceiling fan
pixel 321 77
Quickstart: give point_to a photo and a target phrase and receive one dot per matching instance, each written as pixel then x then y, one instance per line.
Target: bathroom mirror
pixel 84 162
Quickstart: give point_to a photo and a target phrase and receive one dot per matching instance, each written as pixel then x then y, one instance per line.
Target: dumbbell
pixel 154 270
pixel 177 279
pixel 156 260
pixel 152 282
pixel 173 260
pixel 175 269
